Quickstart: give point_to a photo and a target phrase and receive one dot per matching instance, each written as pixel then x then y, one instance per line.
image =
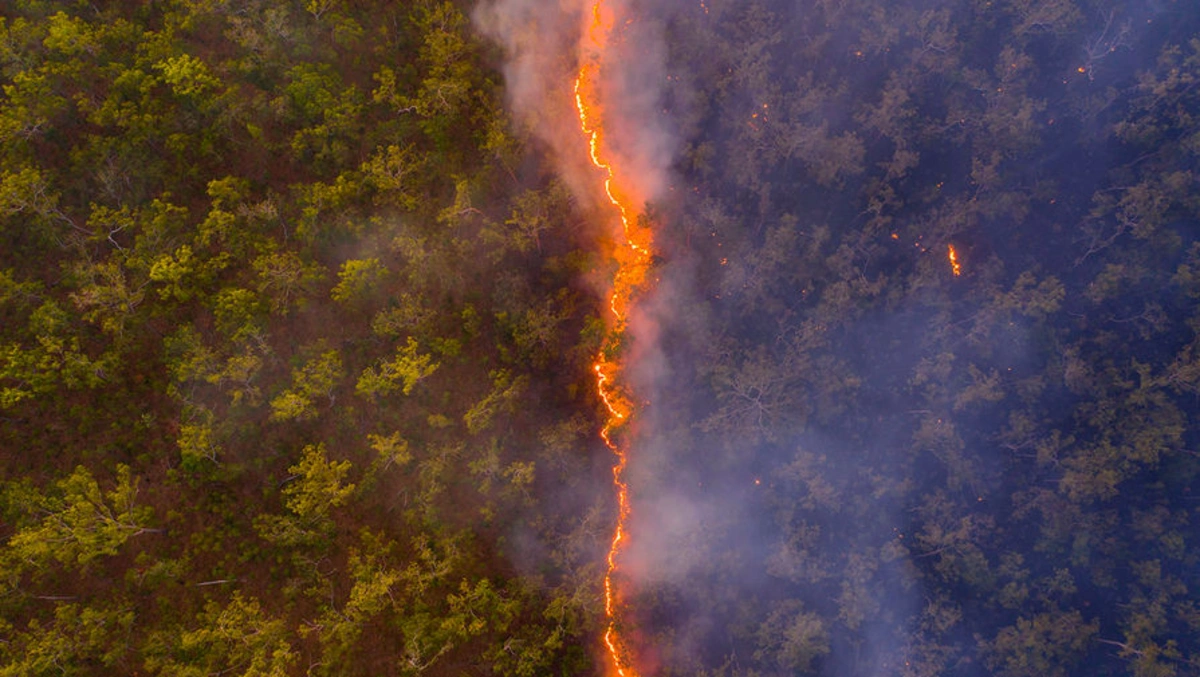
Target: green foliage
pixel 394 173
pixel 27 192
pixel 109 295
pixel 173 271
pixel 402 372
pixel 186 75
pixel 373 593
pixel 55 358
pixel 183 185
pixel 317 484
pixel 392 450
pixel 78 639
pixel 238 636
pixel 445 57
pixel 238 313
pixel 79 521
pixel 357 279
pixel 317 378
pixel 284 278
pixel 505 394
pixel 533 214
pixel 197 442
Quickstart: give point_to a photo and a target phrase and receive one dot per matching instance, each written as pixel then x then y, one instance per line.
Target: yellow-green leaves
pixel 197 440
pixel 318 484
pixel 173 271
pixel 107 295
pixel 317 378
pixel 81 521
pixel 318 8
pixel 392 171
pixel 77 639
pixel 392 450
pixel 27 191
pixel 284 277
pixel 402 372
pixel 239 637
pixel 357 279
pixel 51 358
pixel 186 75
pixel 238 312
pixel 506 392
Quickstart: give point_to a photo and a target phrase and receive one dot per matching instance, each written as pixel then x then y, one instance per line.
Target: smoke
pixel 546 43
pixel 814 473
pixel 700 566
pixel 543 50
pixel 538 38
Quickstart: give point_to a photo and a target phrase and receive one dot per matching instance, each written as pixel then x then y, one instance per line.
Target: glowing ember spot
pixel 632 257
pixel 953 256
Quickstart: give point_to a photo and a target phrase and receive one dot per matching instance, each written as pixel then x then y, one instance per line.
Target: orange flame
pixel 954 266
pixel 633 263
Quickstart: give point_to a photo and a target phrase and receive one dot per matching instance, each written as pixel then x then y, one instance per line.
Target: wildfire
pixel 953 256
pixel 633 263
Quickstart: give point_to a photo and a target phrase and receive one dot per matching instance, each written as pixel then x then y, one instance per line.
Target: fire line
pixel 955 267
pixel 633 258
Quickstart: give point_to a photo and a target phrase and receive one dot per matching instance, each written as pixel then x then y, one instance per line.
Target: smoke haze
pixel 541 41
pixel 849 460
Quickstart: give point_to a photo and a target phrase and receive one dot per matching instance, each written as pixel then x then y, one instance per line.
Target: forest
pixel 298 316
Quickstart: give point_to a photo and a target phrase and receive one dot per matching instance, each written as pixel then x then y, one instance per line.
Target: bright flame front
pixel 955 267
pixel 633 258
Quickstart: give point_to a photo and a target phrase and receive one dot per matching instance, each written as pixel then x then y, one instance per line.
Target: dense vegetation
pixel 277 287
pixel 295 327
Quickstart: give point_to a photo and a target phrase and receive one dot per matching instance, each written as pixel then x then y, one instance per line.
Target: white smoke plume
pixel 545 44
pixel 542 44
